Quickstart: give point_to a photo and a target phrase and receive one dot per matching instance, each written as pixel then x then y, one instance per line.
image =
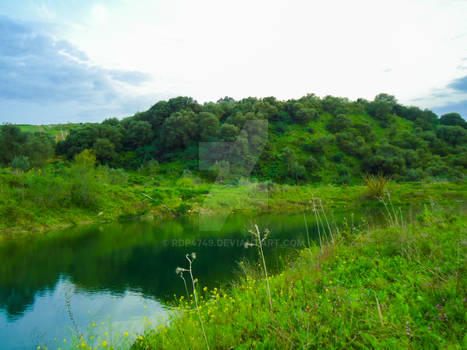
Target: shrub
pixel 21 163
pixel 376 185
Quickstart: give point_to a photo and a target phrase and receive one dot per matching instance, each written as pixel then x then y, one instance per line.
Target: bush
pixel 376 185
pixel 84 191
pixel 21 163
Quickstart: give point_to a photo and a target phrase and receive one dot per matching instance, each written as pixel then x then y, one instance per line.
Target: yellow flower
pixel 104 343
pixel 125 334
pixel 205 289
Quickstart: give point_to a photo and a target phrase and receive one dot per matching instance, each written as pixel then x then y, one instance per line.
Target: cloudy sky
pixel 83 60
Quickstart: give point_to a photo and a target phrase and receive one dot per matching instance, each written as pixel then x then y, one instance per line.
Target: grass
pixel 376 185
pixel 403 286
pixel 57 197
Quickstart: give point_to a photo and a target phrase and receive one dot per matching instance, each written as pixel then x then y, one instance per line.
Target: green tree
pixel 453 135
pixel 208 125
pixel 104 150
pixel 382 107
pixel 453 119
pixel 228 132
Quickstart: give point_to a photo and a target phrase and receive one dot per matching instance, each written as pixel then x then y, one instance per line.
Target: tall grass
pixel 394 287
pixel 376 185
pixel 258 242
pixel 180 270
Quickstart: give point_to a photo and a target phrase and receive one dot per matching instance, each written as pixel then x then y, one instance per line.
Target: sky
pixel 82 60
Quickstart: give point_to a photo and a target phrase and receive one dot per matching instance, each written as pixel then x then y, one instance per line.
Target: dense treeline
pixel 311 139
pixel 24 150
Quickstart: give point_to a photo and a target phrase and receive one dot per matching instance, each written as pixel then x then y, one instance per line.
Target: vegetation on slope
pixel 311 139
pixel 397 287
pixel 59 195
pixel 149 164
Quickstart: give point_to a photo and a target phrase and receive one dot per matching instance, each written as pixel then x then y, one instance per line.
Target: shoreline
pixel 333 197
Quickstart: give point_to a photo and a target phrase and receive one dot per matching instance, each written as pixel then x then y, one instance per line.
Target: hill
pixel 311 139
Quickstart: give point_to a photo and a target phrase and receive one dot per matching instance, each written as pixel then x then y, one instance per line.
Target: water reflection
pixel 117 269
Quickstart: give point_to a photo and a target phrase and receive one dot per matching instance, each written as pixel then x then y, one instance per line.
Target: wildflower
pixel 193 255
pixel 205 289
pixel 125 334
pixel 104 343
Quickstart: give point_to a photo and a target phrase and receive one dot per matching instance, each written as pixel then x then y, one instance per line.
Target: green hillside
pixel 312 139
pixel 152 164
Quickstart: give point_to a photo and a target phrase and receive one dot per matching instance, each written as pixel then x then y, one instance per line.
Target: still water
pixel 118 277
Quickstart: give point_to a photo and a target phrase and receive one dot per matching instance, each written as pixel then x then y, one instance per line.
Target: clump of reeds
pixel 392 217
pixel 324 231
pixel 258 242
pixel 179 271
pixel 376 185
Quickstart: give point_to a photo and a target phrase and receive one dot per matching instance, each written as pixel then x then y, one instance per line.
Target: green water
pixel 62 282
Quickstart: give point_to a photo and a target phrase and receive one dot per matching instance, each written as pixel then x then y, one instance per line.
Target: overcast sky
pixel 82 60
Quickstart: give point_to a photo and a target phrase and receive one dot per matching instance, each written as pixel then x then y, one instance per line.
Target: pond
pixel 118 277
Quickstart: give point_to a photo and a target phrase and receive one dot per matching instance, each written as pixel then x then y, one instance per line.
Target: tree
pixel 228 132
pixel 137 133
pixel 453 119
pixel 178 130
pixel 39 147
pixel 382 107
pixel 104 150
pixel 453 135
pixel 208 125
pixel 12 141
pixel 339 123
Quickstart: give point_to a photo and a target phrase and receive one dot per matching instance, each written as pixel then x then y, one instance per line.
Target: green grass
pixel 41 200
pixel 389 288
pixel 59 131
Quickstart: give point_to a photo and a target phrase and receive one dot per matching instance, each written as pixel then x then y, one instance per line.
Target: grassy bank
pixel 397 287
pixel 58 196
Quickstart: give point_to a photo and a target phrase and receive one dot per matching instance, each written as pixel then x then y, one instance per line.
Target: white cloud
pixel 212 48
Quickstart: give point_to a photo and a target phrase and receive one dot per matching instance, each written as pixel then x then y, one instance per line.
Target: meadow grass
pixel 403 286
pixel 53 198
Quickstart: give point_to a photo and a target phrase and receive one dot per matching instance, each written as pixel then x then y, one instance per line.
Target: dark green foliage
pixel 208 125
pixel 453 135
pixel 393 139
pixel 15 144
pixel 228 132
pixel 339 123
pixel 382 107
pixel 386 159
pixel 311 164
pixel 21 163
pixel 453 119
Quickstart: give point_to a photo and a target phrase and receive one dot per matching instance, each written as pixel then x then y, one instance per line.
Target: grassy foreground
pixel 397 287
